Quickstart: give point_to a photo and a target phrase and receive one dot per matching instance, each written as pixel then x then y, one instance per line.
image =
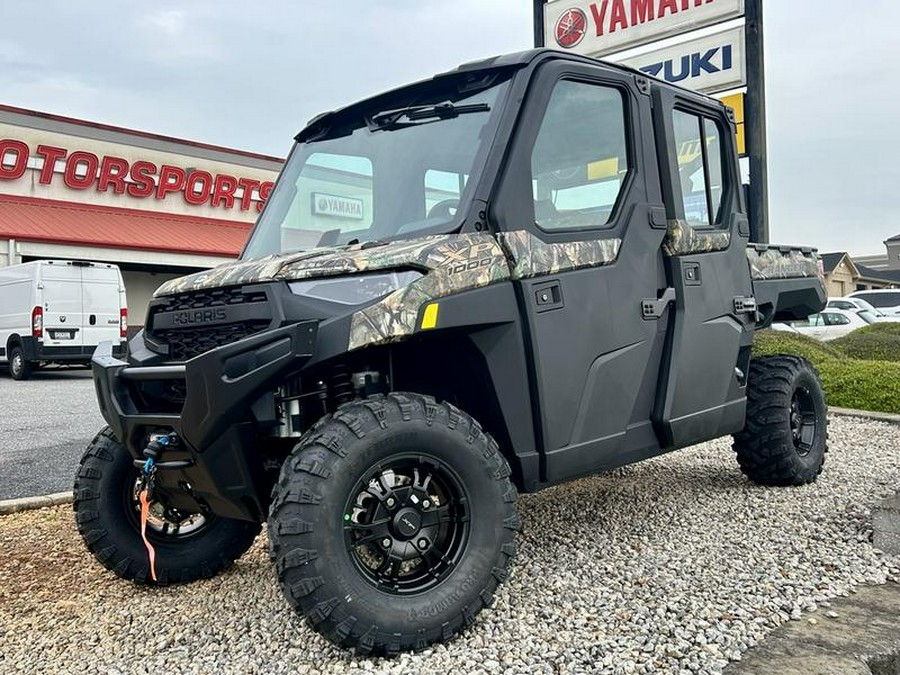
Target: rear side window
pixel 832 319
pixel 579 162
pixel 881 299
pixel 701 170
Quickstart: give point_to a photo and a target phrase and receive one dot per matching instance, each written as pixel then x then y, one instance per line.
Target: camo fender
pixel 454 264
pixel 532 257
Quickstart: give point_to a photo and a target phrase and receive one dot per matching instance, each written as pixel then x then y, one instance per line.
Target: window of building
pixel 580 161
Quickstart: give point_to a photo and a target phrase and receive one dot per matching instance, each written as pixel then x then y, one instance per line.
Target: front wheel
pixel 784 439
pixel 393 523
pixel 189 546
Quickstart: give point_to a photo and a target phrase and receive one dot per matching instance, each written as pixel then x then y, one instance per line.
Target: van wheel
pixel 393 523
pixel 784 439
pixel 19 368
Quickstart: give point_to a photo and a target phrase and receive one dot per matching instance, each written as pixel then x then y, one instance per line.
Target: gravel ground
pixel 674 565
pixel 45 424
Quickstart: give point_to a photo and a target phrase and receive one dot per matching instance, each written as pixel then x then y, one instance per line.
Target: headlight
pixel 354 289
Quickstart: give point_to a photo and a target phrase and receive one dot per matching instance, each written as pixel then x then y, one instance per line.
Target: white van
pixel 58 311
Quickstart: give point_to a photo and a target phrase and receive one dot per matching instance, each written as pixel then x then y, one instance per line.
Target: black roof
pixel 831 260
pixel 896 237
pixel 885 275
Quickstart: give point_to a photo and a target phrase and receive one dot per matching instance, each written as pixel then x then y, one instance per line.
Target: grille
pixel 189 341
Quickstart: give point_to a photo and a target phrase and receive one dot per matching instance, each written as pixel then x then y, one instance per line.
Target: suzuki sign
pixel 708 64
pixel 607 26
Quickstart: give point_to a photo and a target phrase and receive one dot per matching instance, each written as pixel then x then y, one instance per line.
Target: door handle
pixel 548 296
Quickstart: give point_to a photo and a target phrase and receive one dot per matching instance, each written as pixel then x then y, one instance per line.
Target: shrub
pixel 872 343
pixel 849 382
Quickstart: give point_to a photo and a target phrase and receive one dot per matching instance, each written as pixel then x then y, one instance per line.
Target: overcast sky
pixel 249 75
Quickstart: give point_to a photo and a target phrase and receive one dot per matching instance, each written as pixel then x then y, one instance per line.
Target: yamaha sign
pixel 604 27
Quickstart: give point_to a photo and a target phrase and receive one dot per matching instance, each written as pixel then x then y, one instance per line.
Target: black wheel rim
pixel 406 523
pixel 164 524
pixel 803 421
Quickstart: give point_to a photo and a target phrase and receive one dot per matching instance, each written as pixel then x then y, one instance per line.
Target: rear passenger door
pixel 708 343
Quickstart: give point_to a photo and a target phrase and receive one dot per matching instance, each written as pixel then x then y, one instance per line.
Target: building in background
pixel 157 206
pixel 844 275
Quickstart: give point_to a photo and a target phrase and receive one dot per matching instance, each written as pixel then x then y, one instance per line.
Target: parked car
pixel 58 311
pixel 828 324
pixel 886 300
pixel 856 304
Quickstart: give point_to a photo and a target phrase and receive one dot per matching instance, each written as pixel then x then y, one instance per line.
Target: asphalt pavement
pixel 45 424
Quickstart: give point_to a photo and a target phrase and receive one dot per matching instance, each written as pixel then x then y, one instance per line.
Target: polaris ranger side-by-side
pixel 529 269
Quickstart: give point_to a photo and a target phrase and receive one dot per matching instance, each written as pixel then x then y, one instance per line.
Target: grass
pixel 862 372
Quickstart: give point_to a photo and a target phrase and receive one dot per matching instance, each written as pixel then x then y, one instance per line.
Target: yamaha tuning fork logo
pixel 570 28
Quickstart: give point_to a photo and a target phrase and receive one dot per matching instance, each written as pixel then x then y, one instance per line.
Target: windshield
pixel 398 172
pixel 867 315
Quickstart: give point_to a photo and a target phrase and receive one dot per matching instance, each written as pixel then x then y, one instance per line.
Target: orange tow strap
pixel 145 512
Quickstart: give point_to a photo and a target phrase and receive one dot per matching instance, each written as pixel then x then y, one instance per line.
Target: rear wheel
pixel 19 368
pixel 188 546
pixel 393 523
pixel 784 440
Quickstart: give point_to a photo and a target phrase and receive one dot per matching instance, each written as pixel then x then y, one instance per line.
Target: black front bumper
pixel 213 427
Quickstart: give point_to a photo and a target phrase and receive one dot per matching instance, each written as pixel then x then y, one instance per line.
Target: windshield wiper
pixel 390 119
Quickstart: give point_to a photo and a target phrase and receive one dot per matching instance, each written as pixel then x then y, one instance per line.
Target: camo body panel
pixel 532 257
pixel 424 253
pixel 783 263
pixel 683 239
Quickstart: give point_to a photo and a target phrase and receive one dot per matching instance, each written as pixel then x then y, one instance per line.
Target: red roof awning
pixel 30 219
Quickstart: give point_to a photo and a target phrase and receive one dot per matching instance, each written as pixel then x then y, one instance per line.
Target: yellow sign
pixel 736 103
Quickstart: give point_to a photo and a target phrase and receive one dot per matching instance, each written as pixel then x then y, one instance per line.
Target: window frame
pixel 702 117
pixel 630 164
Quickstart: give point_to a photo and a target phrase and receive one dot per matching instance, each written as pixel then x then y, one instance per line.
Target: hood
pixel 425 253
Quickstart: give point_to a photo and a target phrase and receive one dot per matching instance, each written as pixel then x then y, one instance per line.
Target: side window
pixel 579 162
pixel 698 144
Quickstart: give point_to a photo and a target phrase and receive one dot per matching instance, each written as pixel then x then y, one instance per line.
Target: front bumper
pixel 213 426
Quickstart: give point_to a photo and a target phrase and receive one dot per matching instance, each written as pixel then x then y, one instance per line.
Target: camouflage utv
pixel 525 270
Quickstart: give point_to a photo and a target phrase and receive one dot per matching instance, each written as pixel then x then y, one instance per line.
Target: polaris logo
pixel 195 316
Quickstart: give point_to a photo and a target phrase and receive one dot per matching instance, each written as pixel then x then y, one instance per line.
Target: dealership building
pixel 156 206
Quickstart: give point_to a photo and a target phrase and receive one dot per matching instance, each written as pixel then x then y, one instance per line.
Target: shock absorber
pixel 341 385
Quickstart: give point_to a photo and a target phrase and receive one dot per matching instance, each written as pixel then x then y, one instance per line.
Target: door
pixel 583 230
pixel 708 347
pixel 100 285
pixel 63 304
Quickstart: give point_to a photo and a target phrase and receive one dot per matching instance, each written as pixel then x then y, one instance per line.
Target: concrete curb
pixel 27 503
pixel 890 418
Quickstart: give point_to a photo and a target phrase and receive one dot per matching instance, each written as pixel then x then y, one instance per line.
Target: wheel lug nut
pixel 390 501
pixel 426 504
pixel 386 542
pixel 423 543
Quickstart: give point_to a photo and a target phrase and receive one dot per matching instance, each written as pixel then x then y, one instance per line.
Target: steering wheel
pixel 443 209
